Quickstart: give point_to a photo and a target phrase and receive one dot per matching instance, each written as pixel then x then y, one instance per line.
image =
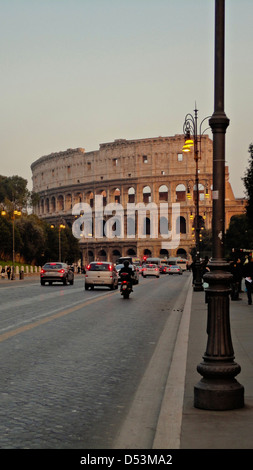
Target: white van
pixel 101 273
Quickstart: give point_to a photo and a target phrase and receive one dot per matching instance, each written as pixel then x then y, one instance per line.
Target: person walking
pixel 8 270
pixel 236 281
pixel 248 275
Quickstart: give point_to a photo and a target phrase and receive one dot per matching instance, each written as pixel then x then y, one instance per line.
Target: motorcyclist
pixel 129 271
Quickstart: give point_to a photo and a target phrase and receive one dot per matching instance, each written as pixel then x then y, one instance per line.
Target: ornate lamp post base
pixel 218 389
pixel 219 394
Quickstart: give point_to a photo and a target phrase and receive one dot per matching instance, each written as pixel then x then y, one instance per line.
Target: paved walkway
pixel 181 425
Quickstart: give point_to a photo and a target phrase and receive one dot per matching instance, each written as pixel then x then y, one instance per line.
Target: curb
pixel 170 419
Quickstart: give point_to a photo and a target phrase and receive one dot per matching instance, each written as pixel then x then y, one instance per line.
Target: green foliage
pixel 32 236
pixel 35 241
pixel 248 183
pixel 239 234
pixel 69 245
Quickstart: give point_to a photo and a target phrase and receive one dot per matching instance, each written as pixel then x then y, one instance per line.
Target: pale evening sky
pixel 77 73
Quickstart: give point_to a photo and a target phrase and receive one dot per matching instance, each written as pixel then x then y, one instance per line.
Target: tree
pixel 248 183
pixel 239 234
pixel 70 250
pixel 33 239
pixel 13 192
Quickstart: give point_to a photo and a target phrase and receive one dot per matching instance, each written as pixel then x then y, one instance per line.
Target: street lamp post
pixel 60 227
pixel 15 213
pixel 191 129
pixel 218 389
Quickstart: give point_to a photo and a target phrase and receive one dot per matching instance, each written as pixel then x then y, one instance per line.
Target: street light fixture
pixel 190 128
pixel 14 214
pixel 60 227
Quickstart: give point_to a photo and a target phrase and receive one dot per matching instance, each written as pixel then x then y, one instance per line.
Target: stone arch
pixel 104 195
pixel 182 252
pixel 68 202
pixel 47 205
pixel 163 193
pixel 53 204
pixel 60 203
pixel 102 256
pixel 164 253
pixel 90 198
pixel 131 195
pixel 116 253
pixel 164 226
pixel 116 195
pixel 131 252
pixel 146 194
pixel 181 225
pixel 180 192
pixel 42 206
pixel 201 192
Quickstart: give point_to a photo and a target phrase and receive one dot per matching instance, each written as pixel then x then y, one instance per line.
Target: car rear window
pixel 53 266
pixel 99 267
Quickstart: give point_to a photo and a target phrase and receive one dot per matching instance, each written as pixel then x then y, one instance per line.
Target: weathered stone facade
pixel 124 171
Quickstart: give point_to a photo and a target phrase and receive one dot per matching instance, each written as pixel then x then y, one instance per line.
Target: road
pixel 76 364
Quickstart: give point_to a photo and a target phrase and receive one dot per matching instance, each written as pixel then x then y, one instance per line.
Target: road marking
pixel 49 318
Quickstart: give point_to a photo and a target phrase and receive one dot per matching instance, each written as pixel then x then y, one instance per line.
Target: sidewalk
pixel 233 429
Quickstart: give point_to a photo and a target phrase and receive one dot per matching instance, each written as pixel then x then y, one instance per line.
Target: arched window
pixel 146 194
pixel 180 192
pixel 60 203
pixel 90 198
pixel 47 205
pixel 181 226
pixel 201 192
pixel 163 193
pixel 117 195
pixel 53 204
pixel 131 195
pixel 68 202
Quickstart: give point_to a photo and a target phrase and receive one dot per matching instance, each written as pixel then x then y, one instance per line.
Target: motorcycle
pixel 126 287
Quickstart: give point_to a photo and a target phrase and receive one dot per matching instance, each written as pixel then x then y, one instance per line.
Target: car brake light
pixel 42 271
pixel 88 267
pixel 61 271
pixel 144 269
pixel 110 267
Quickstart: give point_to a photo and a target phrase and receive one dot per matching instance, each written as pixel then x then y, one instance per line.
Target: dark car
pixel 56 272
pixel 135 272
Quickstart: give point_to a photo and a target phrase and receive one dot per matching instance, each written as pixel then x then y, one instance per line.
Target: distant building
pixel 131 171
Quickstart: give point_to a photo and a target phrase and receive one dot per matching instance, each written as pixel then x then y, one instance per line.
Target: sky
pixel 78 73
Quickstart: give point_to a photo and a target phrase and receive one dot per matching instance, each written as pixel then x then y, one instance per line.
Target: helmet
pixel 126 263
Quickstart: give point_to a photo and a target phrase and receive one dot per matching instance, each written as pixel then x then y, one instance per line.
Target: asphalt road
pixel 73 362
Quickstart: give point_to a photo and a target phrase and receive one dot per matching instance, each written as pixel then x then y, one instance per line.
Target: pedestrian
pixel 193 269
pixel 240 273
pixel 3 273
pixel 235 269
pixel 248 275
pixel 8 272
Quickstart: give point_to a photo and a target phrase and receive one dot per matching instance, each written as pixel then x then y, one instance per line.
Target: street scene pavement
pixel 165 393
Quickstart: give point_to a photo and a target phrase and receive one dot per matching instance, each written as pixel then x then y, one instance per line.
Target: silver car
pixel 101 273
pixel 56 272
pixel 150 270
pixel 174 269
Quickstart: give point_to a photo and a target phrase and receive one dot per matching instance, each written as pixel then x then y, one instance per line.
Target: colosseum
pixel 151 170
